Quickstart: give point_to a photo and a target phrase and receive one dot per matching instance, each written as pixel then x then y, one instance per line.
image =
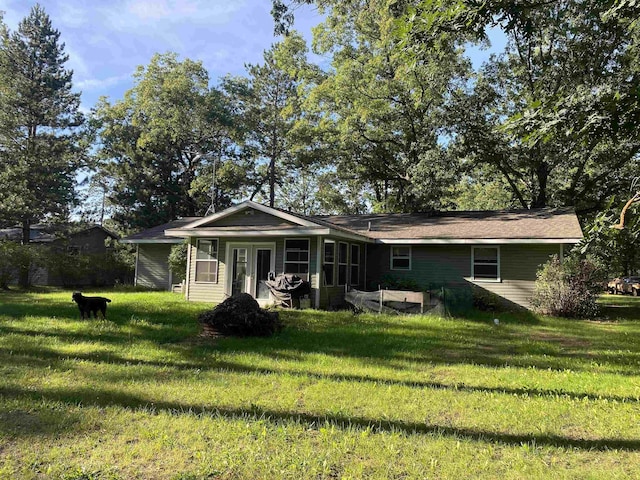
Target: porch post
pixel 318 271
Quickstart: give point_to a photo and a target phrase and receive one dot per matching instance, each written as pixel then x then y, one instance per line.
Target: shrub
pixel 240 315
pixel 568 288
pixel 15 257
pixel 178 261
pixel 392 282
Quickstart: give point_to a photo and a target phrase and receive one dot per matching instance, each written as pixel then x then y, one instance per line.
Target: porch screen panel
pixel 329 262
pixel 343 253
pixel 354 277
pixel 296 257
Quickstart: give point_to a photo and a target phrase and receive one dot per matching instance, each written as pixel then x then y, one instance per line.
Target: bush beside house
pixel 568 288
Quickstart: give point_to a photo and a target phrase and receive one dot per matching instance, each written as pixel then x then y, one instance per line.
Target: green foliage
pixel 168 130
pixel 71 269
pixel 10 253
pixel 392 282
pixel 40 142
pixel 271 99
pixel 569 288
pixel 618 250
pixel 381 118
pixel 178 260
pixel 16 258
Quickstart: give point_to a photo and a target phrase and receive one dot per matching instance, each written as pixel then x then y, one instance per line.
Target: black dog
pixel 86 305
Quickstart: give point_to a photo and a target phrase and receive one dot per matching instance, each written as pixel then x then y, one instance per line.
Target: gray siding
pixel 518 267
pixel 215 292
pixel 253 219
pixel 153 265
pixel 436 265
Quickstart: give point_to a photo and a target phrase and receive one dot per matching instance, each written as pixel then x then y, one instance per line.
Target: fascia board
pixel 475 241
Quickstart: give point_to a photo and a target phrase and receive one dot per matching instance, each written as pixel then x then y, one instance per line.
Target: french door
pixel 248 266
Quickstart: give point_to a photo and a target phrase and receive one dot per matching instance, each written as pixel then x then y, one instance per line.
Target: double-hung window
pixel 343 259
pixel 206 260
pixel 296 256
pixel 486 263
pixel 354 277
pixel 400 258
pixel 329 262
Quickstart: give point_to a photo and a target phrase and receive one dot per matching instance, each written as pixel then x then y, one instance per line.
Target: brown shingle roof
pixel 509 224
pixel 157 233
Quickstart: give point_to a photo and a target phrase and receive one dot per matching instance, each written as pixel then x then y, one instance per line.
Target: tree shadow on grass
pixel 105 398
pixel 44 358
pixel 16 422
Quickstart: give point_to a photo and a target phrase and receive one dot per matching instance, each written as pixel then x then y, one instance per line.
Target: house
pixel 234 250
pixel 66 238
pixel 152 254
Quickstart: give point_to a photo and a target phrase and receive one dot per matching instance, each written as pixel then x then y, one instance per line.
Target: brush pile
pixel 239 316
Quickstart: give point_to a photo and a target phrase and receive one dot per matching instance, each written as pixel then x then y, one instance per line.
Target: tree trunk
pixel 542 173
pixel 272 182
pixel 23 279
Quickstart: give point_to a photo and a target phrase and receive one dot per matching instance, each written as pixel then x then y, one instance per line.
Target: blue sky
pixel 107 40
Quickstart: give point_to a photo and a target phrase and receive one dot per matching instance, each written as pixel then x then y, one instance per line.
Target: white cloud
pixel 101 83
pixel 71 16
pixel 134 14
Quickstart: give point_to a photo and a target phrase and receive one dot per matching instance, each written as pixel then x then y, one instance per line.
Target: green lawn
pixel 332 396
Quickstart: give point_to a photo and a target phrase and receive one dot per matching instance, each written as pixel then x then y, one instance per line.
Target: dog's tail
pixel 107 300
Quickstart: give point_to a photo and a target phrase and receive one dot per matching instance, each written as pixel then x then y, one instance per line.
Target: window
pixel 343 252
pixel 296 256
pixel 486 263
pixel 329 262
pixel 207 261
pixel 354 277
pixel 400 258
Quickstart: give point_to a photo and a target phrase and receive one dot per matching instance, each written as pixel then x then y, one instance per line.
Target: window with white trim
pixel 207 260
pixel 354 274
pixel 296 256
pixel 486 263
pixel 401 258
pixel 329 262
pixel 343 263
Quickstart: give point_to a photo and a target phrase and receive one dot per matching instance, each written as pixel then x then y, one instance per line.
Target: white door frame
pixel 252 258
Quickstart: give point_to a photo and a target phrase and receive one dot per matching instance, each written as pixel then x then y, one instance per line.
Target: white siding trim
pixel 135 275
pixel 243 233
pixel 160 240
pixel 256 206
pixel 319 279
pixel 474 241
pixel 188 279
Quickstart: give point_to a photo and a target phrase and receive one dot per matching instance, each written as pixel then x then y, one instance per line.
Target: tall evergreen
pixel 39 116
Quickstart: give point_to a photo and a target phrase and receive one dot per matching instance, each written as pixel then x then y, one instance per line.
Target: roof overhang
pixel 150 240
pixel 281 232
pixel 256 206
pixel 476 241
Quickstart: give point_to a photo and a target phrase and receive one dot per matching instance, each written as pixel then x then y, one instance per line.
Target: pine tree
pixel 39 120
